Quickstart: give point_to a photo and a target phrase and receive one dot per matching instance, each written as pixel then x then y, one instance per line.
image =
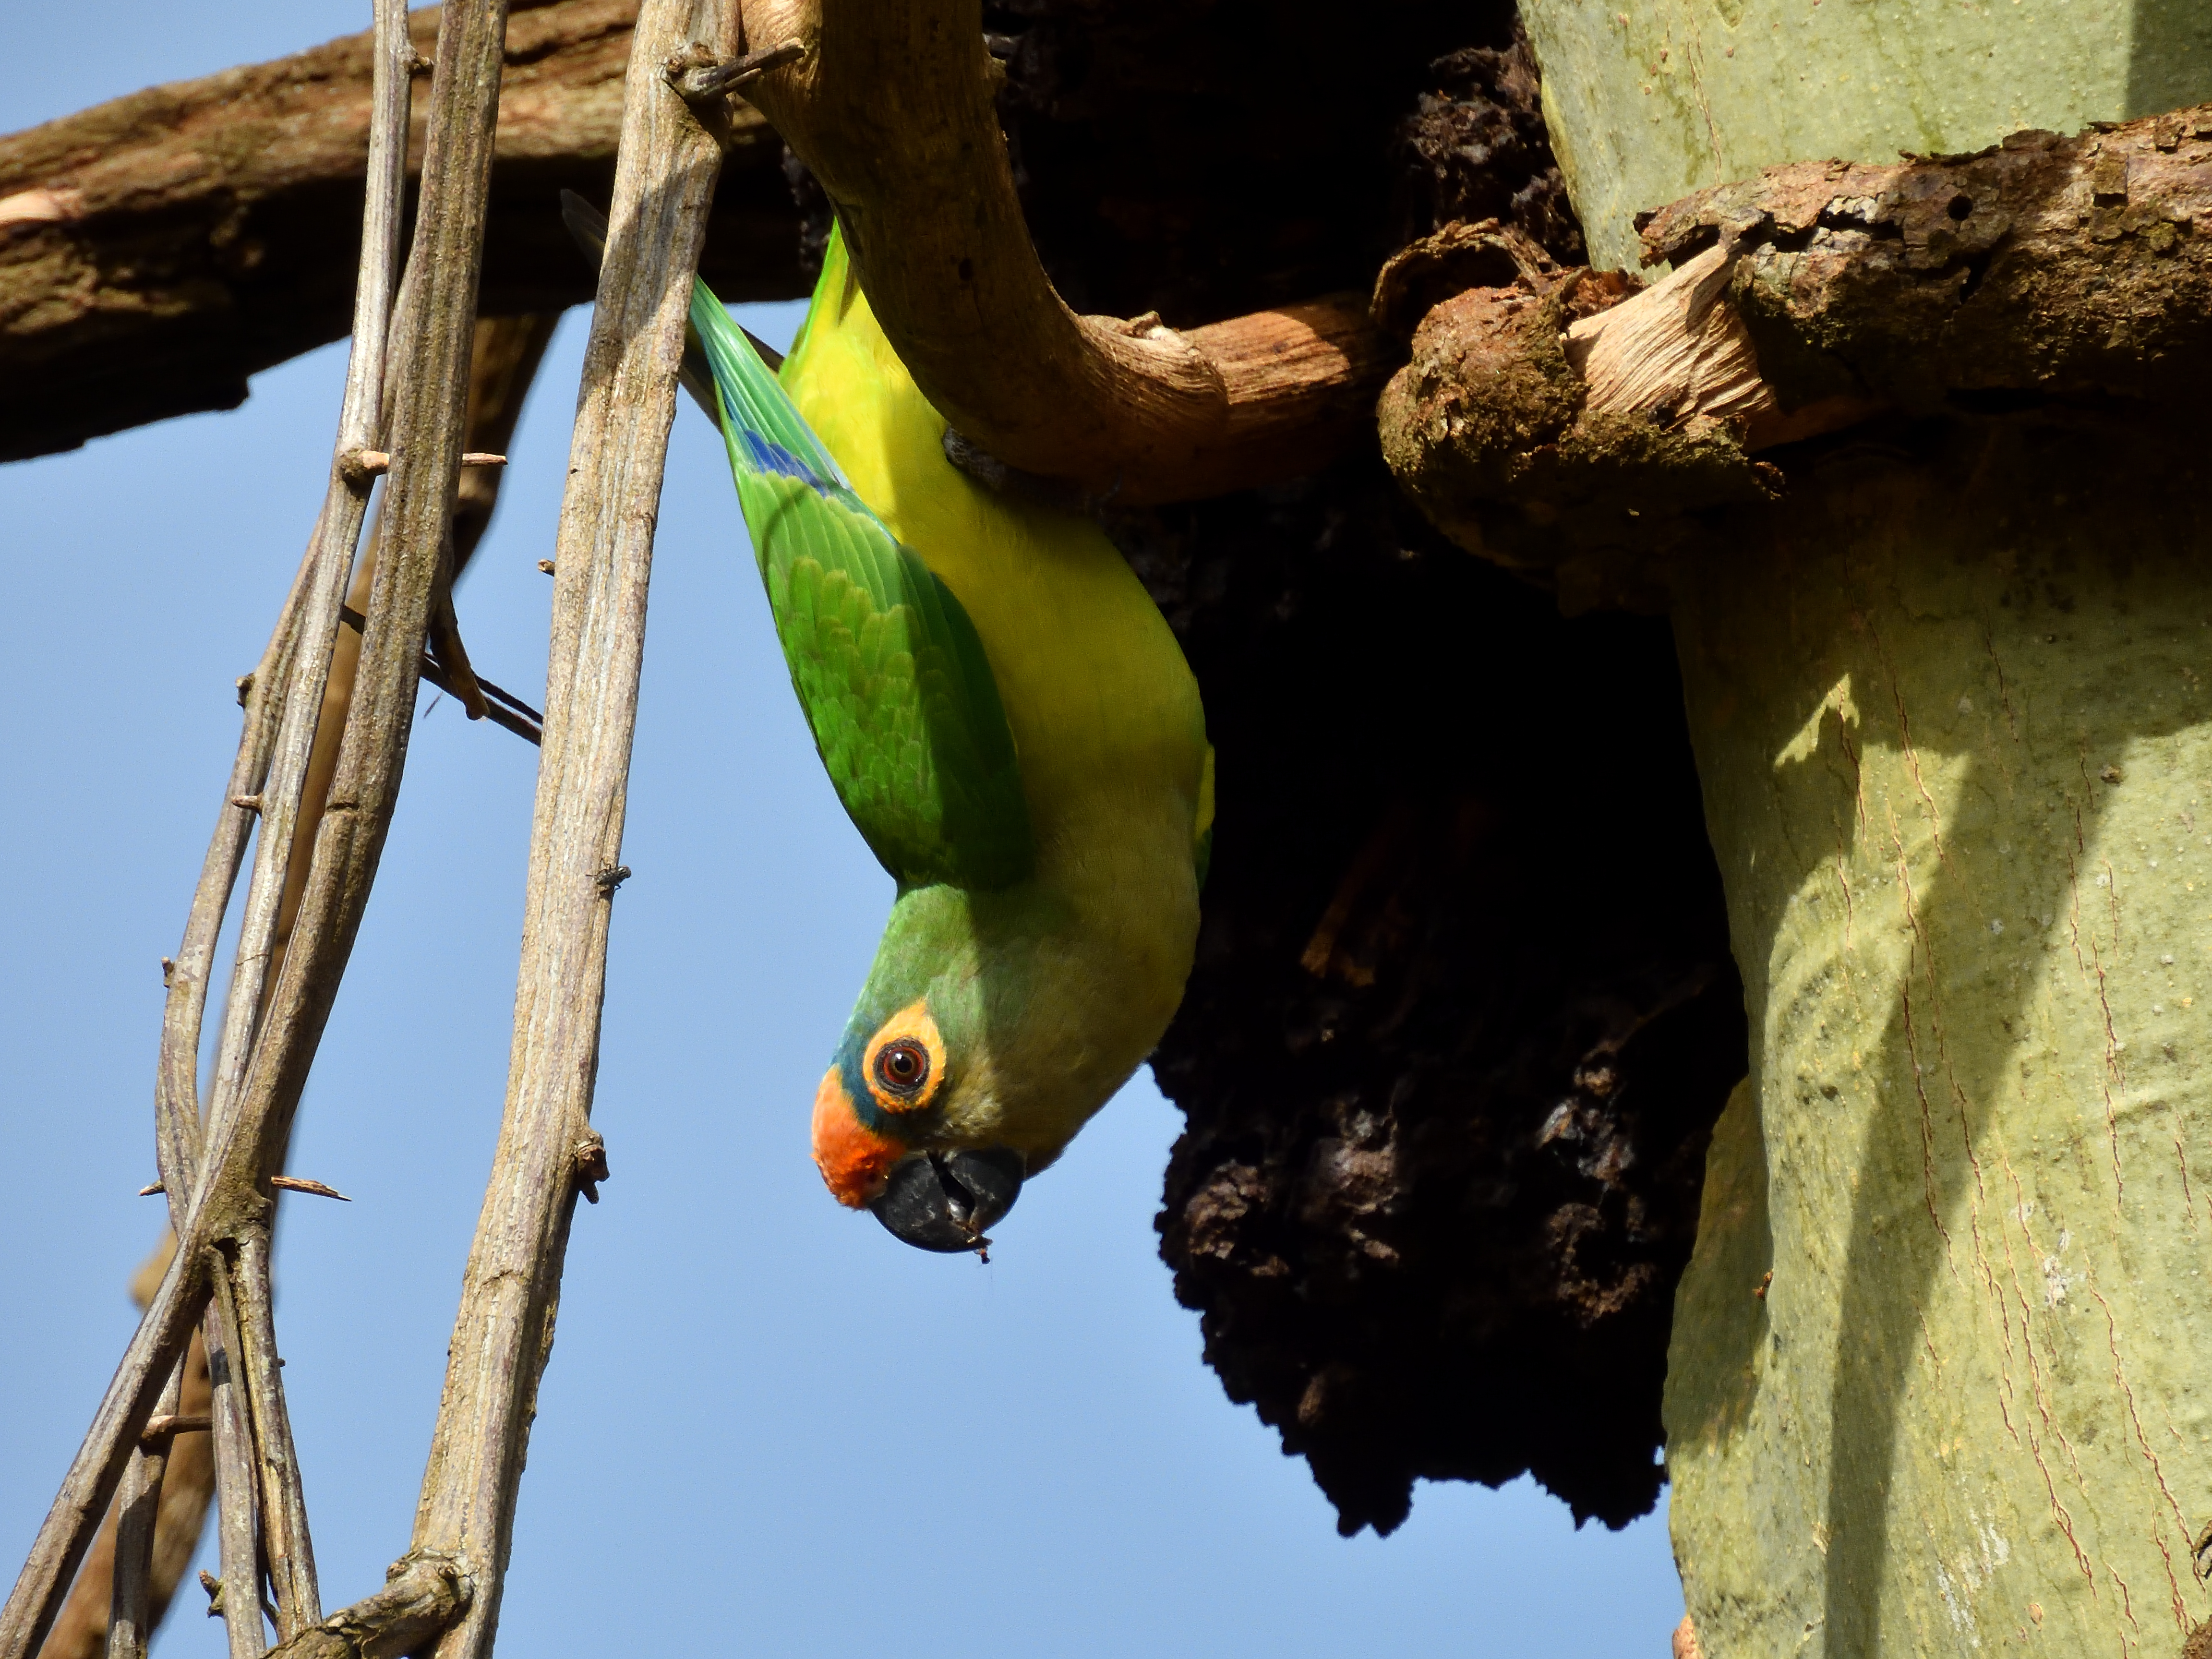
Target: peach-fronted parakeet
pixel 1013 730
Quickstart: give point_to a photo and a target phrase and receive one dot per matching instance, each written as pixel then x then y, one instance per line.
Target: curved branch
pixel 892 106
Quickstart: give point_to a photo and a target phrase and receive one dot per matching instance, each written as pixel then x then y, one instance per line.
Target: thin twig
pixel 261 1468
pixel 373 462
pixel 345 504
pixel 430 361
pixel 288 1549
pixel 504 354
pixel 301 1184
pixel 238 1486
pixel 138 1508
pixel 503 708
pixel 176 1083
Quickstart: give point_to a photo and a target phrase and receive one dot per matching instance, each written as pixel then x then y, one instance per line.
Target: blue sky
pixel 840 1446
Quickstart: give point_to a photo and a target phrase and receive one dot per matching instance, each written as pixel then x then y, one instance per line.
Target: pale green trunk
pixel 1954 732
pixel 1649 100
pixel 1955 738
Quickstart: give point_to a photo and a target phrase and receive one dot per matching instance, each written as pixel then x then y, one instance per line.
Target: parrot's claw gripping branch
pixel 697 82
pixel 892 106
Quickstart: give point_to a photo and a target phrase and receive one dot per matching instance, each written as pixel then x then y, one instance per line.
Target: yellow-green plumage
pixel 1105 714
pixel 1049 989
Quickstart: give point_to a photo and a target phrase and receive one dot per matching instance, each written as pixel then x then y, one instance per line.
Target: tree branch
pixel 504 354
pixel 156 250
pixel 287 1548
pixel 421 1595
pixel 504 359
pixel 1558 424
pixel 238 1522
pixel 430 354
pixel 892 106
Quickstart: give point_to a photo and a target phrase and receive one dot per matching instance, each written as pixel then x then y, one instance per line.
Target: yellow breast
pixel 1105 715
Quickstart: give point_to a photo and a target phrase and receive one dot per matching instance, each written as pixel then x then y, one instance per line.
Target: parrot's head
pixel 976 1050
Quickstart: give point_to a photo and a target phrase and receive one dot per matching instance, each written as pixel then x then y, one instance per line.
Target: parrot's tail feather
pixel 769 436
pixel 768 457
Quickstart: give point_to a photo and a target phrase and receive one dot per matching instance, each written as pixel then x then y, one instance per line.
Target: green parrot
pixel 1013 729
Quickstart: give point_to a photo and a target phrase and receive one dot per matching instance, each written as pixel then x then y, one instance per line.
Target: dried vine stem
pixel 286 1543
pixel 258 1477
pixel 665 178
pixel 892 106
pixel 222 1187
pixel 338 533
pixel 237 1480
pixel 137 1508
pixel 503 362
pixel 430 354
pixel 503 357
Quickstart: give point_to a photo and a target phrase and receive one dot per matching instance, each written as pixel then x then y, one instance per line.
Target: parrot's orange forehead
pixel 854 1160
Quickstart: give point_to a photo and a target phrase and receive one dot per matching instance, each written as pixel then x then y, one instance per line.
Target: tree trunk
pixel 1929 1382
pixel 1928 1379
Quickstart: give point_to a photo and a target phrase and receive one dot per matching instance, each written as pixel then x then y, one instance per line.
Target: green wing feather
pixel 887 666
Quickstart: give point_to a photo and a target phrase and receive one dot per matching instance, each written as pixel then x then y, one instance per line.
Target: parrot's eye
pixel 903 1066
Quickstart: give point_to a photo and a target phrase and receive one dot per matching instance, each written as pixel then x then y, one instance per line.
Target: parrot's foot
pixel 944 1200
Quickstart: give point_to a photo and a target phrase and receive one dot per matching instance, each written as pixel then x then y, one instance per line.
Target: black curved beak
pixel 944 1200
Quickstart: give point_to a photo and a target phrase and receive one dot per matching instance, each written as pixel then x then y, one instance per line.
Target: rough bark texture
pixel 2042 268
pixel 1436 1188
pixel 2044 272
pixel 1457 1030
pixel 157 250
